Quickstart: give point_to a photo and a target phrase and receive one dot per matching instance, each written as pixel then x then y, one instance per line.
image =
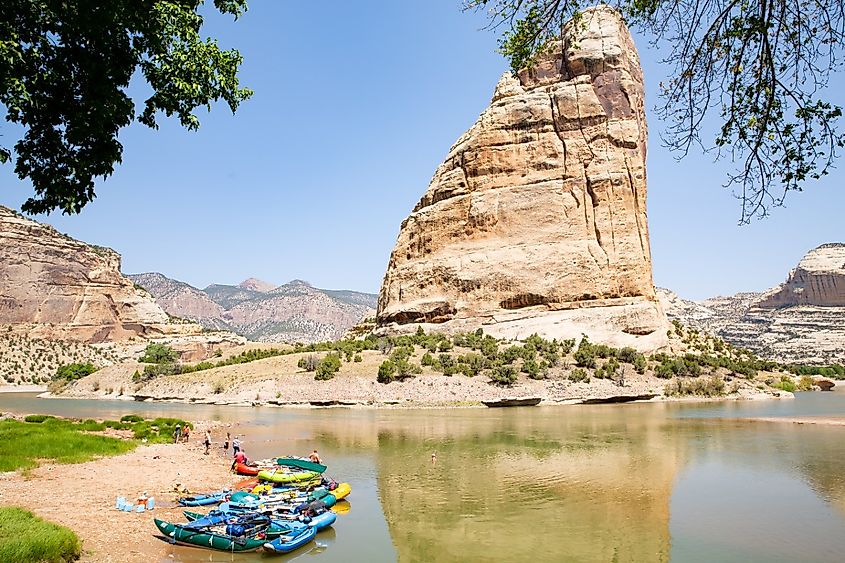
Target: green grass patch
pixel 40 437
pixel 25 538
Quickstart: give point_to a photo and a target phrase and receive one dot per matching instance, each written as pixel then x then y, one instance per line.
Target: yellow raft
pixel 280 476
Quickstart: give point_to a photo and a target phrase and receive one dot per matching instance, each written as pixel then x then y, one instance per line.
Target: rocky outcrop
pixel 536 221
pixel 800 321
pixel 58 288
pixel 818 280
pixel 292 312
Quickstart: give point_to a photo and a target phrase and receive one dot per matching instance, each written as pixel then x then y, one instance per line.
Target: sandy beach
pixel 82 496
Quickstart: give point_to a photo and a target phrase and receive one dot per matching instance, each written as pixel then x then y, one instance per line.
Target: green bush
pixel 327 367
pixel 72 372
pixel 503 375
pixel 386 372
pixel 25 538
pixel 579 375
pixel 159 354
pixel 713 386
pixel 786 383
pixel 427 359
pixel 358 359
pixel 471 364
pixel 585 355
pixel 37 418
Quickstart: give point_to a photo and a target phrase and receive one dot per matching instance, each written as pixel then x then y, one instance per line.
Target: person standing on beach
pixel 236 446
pixel 177 434
pixel 207 441
pixel 186 434
pixel 226 443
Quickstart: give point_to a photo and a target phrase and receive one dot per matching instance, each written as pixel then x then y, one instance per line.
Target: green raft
pixel 276 476
pixel 303 464
pixel 208 539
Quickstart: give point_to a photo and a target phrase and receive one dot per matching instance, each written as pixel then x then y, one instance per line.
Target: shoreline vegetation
pixel 438 370
pixel 42 502
pixel 27 443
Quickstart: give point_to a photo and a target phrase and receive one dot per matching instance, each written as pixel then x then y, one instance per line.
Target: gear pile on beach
pixel 281 507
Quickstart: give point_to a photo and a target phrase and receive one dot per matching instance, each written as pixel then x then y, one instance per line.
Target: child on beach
pixel 226 443
pixel 207 441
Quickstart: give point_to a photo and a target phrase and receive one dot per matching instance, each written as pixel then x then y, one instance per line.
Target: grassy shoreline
pixel 25 538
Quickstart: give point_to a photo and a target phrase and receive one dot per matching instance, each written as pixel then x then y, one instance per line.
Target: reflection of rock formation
pixel 536 486
pixel 536 221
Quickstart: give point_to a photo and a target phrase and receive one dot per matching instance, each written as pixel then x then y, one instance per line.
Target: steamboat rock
pixel 536 221
pixel 58 288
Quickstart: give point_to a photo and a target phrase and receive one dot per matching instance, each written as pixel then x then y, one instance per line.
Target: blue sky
pixel 355 105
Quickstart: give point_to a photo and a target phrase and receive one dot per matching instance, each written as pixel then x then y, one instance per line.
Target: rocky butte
pixel 536 221
pixel 801 320
pixel 58 288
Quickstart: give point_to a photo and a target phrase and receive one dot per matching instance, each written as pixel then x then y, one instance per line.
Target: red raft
pixel 243 469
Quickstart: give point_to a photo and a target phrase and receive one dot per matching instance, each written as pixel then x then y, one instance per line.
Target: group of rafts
pixel 279 509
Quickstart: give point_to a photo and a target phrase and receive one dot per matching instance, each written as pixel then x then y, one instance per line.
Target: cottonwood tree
pixel 762 66
pixel 65 67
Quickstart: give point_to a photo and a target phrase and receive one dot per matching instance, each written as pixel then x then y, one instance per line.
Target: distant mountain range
pixel 261 311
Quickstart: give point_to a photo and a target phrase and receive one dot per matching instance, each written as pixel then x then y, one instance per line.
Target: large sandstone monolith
pixel 536 221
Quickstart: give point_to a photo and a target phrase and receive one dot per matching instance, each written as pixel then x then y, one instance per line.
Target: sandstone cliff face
pixel 536 220
pixel 818 280
pixel 55 287
pixel 292 312
pixel 801 321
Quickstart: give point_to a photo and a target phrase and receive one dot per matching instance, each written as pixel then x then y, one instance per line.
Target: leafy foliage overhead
pixel 763 66
pixel 65 67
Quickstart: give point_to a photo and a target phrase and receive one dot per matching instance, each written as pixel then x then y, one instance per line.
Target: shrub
pixel 308 363
pixel 72 372
pixel 37 418
pixel 358 359
pixel 386 372
pixel 585 355
pixel 532 368
pixel 663 371
pixel 158 354
pixel 130 418
pixel 471 364
pixel 427 359
pixel 446 364
pixel 406 369
pixel 503 375
pixel 713 386
pixel 218 387
pixel 327 367
pixel 628 355
pixel 579 375
pixel 510 354
pixel 806 383
pixel 566 346
pixel 640 364
pixel 786 383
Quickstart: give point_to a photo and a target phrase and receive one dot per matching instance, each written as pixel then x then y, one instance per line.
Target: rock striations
pixel 819 280
pixel 799 321
pixel 58 288
pixel 536 220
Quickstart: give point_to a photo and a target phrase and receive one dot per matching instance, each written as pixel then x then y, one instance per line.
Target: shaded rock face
pixel 800 321
pixel 66 289
pixel 819 280
pixel 536 220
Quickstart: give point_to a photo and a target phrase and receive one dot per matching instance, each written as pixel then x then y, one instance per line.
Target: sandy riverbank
pixel 816 420
pixel 82 496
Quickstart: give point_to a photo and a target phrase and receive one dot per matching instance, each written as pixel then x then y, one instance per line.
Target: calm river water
pixel 637 482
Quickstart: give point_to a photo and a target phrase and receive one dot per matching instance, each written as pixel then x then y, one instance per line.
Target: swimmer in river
pixel 433 458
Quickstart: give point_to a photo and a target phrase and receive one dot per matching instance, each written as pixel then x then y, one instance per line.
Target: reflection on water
pixel 648 482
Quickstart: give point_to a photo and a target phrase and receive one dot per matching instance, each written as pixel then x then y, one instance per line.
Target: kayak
pixel 342 491
pixel 279 522
pixel 292 541
pixel 204 500
pixel 244 469
pixel 277 476
pixel 303 464
pixel 222 537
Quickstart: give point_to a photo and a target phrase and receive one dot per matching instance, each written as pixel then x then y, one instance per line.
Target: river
pixel 636 482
